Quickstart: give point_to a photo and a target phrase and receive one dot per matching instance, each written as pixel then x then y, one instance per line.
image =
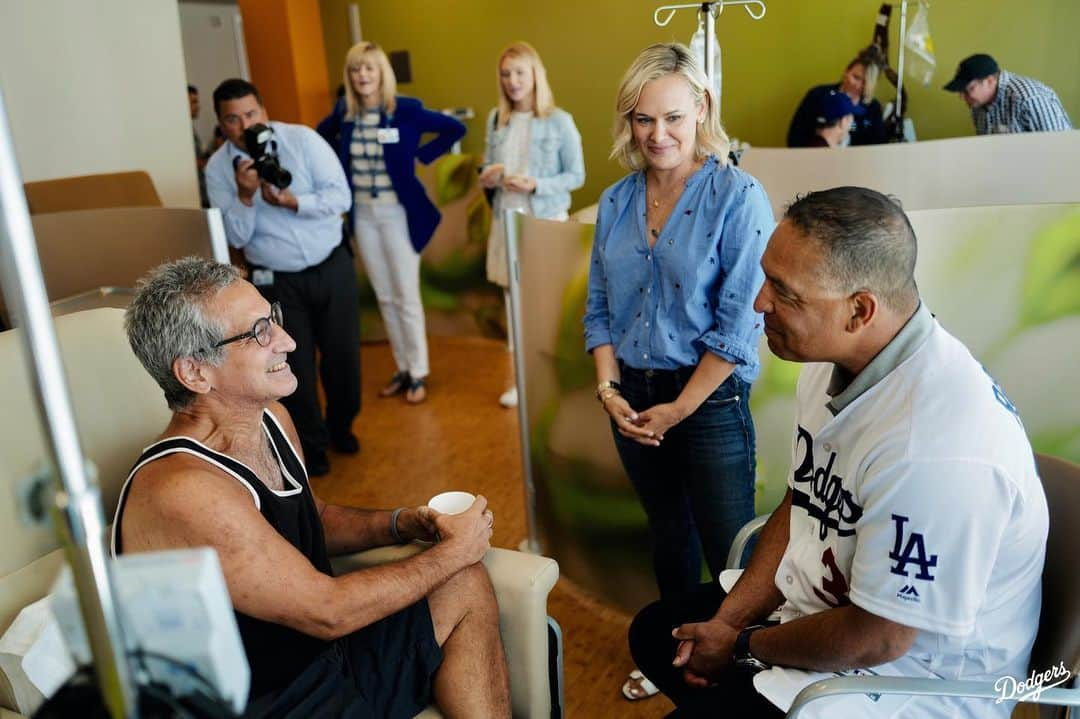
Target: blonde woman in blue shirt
pixel 532 156
pixel 670 319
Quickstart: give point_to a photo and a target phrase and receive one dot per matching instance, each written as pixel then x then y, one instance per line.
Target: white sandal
pixel 637 686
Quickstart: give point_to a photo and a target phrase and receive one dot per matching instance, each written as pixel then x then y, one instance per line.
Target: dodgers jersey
pixel 919 501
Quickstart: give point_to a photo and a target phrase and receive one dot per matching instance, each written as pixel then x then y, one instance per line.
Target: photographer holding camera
pixel 281 192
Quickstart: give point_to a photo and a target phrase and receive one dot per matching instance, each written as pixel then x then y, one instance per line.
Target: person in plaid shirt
pixel 1002 102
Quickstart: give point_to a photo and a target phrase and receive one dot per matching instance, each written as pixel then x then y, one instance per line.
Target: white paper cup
pixel 451 502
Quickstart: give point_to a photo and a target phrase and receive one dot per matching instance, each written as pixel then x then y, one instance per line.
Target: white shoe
pixel 509 398
pixel 637 686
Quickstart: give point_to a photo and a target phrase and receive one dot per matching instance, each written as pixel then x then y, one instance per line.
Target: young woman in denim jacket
pixel 377 137
pixel 670 320
pixel 532 157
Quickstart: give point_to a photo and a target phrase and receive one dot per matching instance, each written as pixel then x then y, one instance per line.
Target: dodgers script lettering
pixel 821 493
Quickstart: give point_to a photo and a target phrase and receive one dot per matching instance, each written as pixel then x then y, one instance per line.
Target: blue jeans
pixel 697 487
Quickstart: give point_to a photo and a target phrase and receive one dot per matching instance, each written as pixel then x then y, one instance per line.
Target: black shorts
pixel 382 670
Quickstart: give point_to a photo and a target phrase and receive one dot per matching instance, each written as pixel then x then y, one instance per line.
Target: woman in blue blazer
pixel 377 137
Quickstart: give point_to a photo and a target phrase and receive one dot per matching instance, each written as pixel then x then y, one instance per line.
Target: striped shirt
pixel 371 183
pixel 1021 105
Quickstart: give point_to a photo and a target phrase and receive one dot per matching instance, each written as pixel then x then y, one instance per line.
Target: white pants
pixel 393 267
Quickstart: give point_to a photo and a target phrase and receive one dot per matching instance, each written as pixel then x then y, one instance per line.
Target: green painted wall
pixel 768 65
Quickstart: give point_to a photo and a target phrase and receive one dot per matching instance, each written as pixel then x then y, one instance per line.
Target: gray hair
pixel 167 320
pixel 867 240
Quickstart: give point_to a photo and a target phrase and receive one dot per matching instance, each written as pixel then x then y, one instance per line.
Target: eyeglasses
pixel 261 330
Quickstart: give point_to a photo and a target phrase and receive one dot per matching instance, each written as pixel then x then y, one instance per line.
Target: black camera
pixel 259 140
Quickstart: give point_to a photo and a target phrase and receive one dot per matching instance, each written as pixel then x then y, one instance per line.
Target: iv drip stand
pixel 77 514
pixel 711 10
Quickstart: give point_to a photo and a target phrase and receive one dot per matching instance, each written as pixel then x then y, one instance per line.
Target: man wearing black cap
pixel 1002 102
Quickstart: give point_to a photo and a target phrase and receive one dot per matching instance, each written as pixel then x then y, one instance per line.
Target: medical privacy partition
pixel 1020 169
pixel 581 508
pixel 77 514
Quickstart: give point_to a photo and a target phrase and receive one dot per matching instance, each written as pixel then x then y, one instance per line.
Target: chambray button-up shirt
pixel 694 290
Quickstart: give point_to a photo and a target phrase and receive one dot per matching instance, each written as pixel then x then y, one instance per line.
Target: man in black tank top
pixel 226 473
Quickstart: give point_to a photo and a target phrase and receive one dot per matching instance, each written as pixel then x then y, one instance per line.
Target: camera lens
pixel 270 171
pixel 282 177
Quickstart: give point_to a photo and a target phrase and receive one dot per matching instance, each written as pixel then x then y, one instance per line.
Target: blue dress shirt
pixel 276 237
pixel 693 291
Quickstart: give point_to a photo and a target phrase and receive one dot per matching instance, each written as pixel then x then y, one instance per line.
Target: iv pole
pixel 77 514
pixel 512 228
pixel 900 70
pixel 711 10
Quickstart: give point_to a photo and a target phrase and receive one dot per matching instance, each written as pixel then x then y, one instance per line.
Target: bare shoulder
pixel 186 472
pixel 182 501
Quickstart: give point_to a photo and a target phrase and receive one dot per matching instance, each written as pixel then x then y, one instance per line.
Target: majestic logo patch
pixel 824 497
pixel 909 593
pixel 913 551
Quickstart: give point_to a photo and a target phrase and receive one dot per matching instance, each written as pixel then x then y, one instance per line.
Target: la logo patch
pixel 911 551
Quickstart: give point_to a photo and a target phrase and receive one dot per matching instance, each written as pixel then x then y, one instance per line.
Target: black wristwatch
pixel 741 654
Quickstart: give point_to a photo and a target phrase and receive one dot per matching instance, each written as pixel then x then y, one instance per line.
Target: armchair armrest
pixel 915 686
pixel 522 583
pixel 742 537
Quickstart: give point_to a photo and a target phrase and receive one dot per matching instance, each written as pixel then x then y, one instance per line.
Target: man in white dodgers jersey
pixel 912 536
